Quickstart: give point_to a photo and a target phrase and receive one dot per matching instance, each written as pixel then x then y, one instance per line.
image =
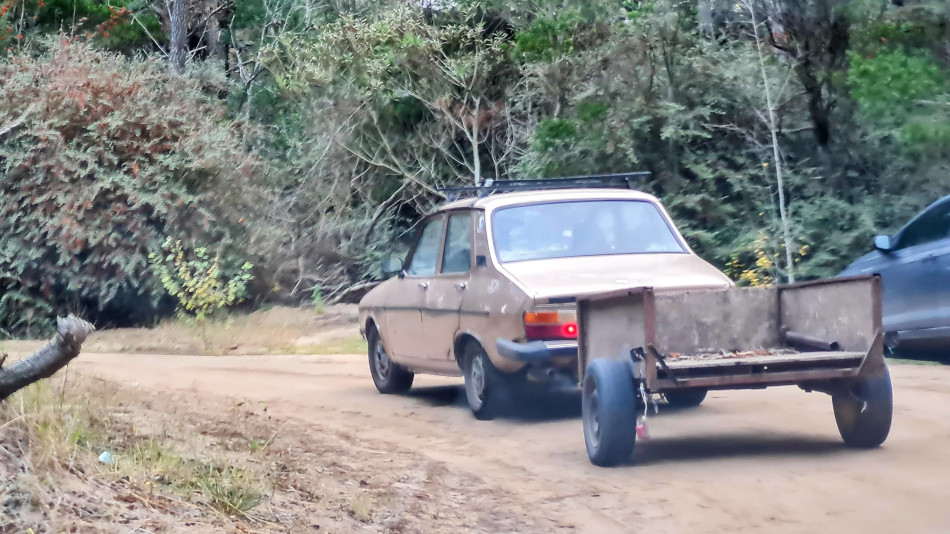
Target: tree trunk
pixel 71 332
pixel 179 35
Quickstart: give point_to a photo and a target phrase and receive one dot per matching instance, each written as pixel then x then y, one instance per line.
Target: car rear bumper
pixel 536 351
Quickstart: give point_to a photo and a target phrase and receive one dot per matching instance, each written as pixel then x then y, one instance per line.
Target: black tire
pixel 687 398
pixel 609 405
pixel 870 428
pixel 487 390
pixel 389 376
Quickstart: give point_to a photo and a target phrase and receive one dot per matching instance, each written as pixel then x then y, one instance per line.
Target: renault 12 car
pixel 488 288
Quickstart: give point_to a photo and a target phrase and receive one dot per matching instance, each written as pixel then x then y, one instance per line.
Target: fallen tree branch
pixel 336 298
pixel 71 332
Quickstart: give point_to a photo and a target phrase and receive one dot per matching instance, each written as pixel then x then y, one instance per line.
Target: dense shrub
pixel 111 156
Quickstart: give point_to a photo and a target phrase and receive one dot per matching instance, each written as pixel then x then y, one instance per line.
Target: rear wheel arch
pixel 370 326
pixel 462 341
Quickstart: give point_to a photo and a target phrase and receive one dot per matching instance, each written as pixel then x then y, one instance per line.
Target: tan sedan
pixel 488 289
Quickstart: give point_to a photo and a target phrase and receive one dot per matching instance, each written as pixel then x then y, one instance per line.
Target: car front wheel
pixel 486 388
pixel 389 376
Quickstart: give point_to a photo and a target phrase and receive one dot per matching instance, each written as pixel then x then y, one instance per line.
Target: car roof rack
pixel 624 180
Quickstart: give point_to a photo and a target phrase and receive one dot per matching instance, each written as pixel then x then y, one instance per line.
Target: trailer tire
pixel 687 398
pixel 869 428
pixel 609 405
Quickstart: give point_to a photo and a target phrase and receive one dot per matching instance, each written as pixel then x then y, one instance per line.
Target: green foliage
pixel 547 38
pixel 197 281
pixel 552 132
pixel 905 92
pixel 107 24
pixel 353 113
pixel 889 85
pixel 111 156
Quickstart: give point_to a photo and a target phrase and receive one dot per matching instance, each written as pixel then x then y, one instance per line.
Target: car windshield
pixel 581 228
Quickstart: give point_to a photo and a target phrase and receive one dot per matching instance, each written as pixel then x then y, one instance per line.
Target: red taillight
pixel 549 325
pixel 569 330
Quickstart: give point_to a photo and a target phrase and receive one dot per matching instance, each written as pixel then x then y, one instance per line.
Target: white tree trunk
pixel 776 153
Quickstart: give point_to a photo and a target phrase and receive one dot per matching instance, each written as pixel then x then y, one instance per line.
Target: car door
pixel 940 264
pixel 407 299
pixel 440 317
pixel 915 285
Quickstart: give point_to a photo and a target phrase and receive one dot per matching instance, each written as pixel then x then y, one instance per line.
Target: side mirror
pixel 391 265
pixel 883 243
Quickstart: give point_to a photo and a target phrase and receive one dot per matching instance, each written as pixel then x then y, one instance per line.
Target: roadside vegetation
pixel 183 460
pixel 84 433
pixel 269 330
pixel 285 146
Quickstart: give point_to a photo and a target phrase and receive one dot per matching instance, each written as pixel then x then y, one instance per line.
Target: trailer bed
pixel 712 361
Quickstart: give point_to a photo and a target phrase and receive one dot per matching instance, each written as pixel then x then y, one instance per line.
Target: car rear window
pixel 581 228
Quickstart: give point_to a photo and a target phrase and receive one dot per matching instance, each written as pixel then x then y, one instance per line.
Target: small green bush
pixel 197 281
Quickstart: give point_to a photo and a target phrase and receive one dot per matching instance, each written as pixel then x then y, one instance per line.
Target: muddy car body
pixel 488 289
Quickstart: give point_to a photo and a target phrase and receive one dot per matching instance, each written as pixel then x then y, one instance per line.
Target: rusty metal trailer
pixel 823 336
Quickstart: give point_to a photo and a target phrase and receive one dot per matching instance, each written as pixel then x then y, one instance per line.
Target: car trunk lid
pixel 575 277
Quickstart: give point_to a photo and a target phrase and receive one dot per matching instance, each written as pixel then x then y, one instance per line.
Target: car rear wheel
pixel 486 388
pixel 687 398
pixel 864 411
pixel 389 376
pixel 609 407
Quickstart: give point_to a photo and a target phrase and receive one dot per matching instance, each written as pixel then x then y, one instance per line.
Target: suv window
pixel 932 226
pixel 458 244
pixel 427 249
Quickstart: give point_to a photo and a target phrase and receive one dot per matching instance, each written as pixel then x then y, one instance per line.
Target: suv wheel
pixel 486 388
pixel 389 376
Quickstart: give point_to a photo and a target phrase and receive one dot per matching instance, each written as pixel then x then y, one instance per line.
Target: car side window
pixel 426 254
pixel 457 257
pixel 932 226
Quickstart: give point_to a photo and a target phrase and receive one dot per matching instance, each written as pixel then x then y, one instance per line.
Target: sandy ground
pixel 745 461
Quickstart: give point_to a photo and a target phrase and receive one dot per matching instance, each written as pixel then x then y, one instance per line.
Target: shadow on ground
pixel 525 407
pixel 741 446
pixel 529 406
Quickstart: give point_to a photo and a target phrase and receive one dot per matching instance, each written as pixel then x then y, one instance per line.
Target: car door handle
pixel 460 285
pixel 930 257
pixel 423 285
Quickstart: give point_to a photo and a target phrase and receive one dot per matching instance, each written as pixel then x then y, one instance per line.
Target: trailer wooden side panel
pixel 611 325
pixel 846 312
pixel 703 321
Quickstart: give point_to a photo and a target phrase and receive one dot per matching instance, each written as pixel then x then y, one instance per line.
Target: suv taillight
pixel 550 325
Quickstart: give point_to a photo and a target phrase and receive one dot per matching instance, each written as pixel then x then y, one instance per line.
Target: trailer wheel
pixel 869 428
pixel 609 405
pixel 687 398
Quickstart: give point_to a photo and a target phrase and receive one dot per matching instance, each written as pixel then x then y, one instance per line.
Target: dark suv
pixel 915 267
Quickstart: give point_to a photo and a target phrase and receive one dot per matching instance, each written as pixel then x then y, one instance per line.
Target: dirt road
pixel 757 461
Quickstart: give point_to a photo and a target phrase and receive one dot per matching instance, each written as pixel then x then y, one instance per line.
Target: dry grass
pixel 277 330
pixel 191 462
pixel 49 467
